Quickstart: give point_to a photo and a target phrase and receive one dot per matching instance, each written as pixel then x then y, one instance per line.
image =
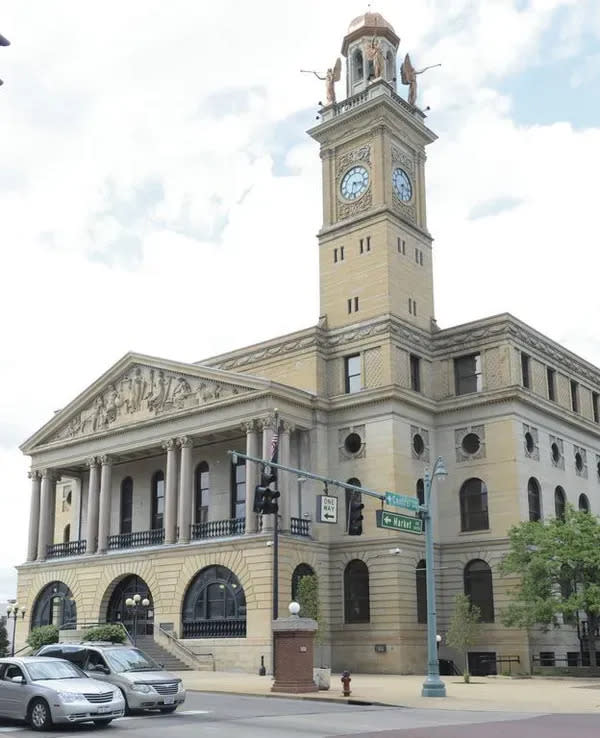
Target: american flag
pixel 274 445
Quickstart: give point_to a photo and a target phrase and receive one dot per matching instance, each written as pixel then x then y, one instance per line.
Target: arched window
pixel 356 592
pixel 421 584
pixel 533 499
pixel 55 605
pixel 126 511
pixel 353 497
pixel 584 503
pixel 560 503
pixel 390 72
pixel 118 612
pixel 158 500
pixel 478 587
pixel 357 65
pixel 202 493
pixel 214 605
pixel 420 491
pixel 67 533
pixel 474 505
pixel 302 570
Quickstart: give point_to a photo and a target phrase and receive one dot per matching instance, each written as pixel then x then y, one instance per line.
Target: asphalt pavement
pixel 222 715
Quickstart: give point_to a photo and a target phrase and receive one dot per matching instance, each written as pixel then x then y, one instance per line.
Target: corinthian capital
pixel 185 442
pixel 34 475
pixel 287 427
pixel 50 474
pixel 250 426
pixel 169 444
pixel 91 461
pixel 106 460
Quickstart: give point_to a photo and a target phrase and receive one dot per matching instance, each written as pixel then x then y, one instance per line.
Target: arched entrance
pixel 142 622
pixel 214 605
pixel 55 605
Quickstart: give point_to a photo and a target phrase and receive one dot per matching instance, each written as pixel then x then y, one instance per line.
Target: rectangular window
pixel 551 379
pixel 410 305
pixel 573 658
pixel 362 245
pixel 467 374
pixel 415 373
pixel 335 255
pixel 414 308
pixel 574 396
pixel 368 243
pixel 352 373
pixel 238 489
pixel 595 408
pixel 525 371
pixel 547 658
pixel 401 246
pixel 349 305
pixel 417 255
pixel 126 520
pixel 341 253
pixel 356 304
pixel 421 258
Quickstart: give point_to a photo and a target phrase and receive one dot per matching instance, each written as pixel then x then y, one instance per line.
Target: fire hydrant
pixel 346 682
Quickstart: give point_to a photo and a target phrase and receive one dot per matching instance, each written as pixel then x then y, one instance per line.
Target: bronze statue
pixel 332 76
pixel 408 75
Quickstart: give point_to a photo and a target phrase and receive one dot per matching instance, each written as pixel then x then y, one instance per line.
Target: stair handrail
pixel 194 656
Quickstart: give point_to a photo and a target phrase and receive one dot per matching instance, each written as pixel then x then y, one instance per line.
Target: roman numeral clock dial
pixel 354 183
pixel 402 185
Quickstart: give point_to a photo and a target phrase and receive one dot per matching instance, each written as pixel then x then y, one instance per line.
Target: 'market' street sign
pixel 327 509
pixel 409 503
pixel 394 521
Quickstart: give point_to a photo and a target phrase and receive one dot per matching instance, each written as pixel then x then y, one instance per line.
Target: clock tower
pixel 375 249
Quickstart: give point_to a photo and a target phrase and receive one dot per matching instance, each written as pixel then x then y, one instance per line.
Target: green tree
pixel 307 597
pixel 557 564
pixel 3 637
pixel 464 629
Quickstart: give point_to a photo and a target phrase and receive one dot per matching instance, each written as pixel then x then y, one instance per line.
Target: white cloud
pixel 141 207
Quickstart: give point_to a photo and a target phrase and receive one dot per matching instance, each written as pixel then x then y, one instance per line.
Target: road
pixel 224 715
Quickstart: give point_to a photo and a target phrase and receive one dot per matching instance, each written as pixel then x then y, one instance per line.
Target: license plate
pixel 104 708
pixel 169 700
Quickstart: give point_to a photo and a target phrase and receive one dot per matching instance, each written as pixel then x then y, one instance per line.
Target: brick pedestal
pixel 294 639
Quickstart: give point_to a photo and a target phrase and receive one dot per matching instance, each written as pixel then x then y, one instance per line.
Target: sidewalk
pixel 558 695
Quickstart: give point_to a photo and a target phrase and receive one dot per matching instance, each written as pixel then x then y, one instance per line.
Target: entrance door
pixel 140 620
pixel 482 663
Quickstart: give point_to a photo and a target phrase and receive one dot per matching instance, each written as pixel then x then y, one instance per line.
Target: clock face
pixel 402 185
pixel 354 183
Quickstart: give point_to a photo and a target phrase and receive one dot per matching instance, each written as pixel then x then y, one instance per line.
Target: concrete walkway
pixel 557 695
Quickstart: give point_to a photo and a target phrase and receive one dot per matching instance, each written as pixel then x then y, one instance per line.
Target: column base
pixel 433 686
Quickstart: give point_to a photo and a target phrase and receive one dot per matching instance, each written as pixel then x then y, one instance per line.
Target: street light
pixel 12 612
pixel 135 604
pixel 433 686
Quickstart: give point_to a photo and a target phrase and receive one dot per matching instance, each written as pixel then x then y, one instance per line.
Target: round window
pixel 352 443
pixel 529 443
pixel 418 444
pixel 471 443
pixel 555 453
pixel 578 461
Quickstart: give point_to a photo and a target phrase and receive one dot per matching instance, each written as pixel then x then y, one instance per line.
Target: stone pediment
pixel 142 391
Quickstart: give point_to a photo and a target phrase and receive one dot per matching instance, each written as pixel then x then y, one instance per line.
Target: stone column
pixel 171 491
pixel 47 511
pixel 92 506
pixel 186 489
pixel 284 478
pixel 34 515
pixel 252 473
pixel 105 500
pixel 267 437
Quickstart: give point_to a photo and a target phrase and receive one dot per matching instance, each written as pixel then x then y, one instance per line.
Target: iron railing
pixel 583 630
pixel 72 548
pixel 219 528
pixel 135 540
pixel 226 628
pixel 300 527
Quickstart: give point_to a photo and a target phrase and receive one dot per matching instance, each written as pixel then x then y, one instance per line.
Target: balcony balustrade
pixel 300 527
pixel 135 540
pixel 71 548
pixel 219 528
pixel 584 630
pixel 225 628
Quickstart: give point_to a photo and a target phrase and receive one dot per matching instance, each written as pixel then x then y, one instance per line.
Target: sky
pixel 158 192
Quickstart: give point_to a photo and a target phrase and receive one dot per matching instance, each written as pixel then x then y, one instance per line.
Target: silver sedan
pixel 44 691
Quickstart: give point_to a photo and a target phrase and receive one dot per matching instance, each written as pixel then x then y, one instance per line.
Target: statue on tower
pixel 374 54
pixel 332 76
pixel 408 75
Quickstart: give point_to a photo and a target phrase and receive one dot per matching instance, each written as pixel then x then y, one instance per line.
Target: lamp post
pixel 433 686
pixel 12 613
pixel 135 604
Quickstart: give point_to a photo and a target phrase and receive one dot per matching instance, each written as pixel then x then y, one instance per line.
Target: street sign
pixel 327 509
pixel 395 521
pixel 409 503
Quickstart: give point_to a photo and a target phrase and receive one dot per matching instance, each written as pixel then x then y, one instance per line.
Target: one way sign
pixel 327 509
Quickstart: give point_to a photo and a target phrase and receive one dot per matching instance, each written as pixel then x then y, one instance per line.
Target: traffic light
pixel 355 516
pixel 265 497
pixel 270 505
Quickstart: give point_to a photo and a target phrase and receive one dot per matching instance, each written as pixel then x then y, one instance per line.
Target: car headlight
pixel 71 697
pixel 142 688
pixel 180 687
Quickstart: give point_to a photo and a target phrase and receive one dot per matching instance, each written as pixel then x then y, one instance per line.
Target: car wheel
pixel 127 708
pixel 38 715
pixel 168 709
pixel 103 723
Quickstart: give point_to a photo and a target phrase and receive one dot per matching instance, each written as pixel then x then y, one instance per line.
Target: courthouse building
pixel 133 489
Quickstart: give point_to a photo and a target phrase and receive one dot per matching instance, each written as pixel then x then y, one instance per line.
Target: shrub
pixel 42 636
pixel 110 633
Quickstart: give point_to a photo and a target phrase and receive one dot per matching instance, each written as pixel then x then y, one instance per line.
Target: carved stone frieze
pixel 361 155
pixel 408 212
pixel 267 353
pixel 403 160
pixel 142 393
pixel 348 209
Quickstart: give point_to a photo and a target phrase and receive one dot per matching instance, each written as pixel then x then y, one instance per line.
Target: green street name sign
pixel 409 503
pixel 395 521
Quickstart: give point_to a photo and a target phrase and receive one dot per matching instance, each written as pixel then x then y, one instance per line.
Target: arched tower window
pixel 202 493
pixel 158 500
pixel 67 533
pixel 478 587
pixel 584 503
pixel 390 71
pixel 534 500
pixel 421 585
pixel 126 510
pixel 214 605
pixel 358 71
pixel 474 505
pixel 356 592
pixel 560 503
pixel 302 570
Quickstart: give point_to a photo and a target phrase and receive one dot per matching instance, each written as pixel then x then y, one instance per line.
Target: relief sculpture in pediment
pixel 144 392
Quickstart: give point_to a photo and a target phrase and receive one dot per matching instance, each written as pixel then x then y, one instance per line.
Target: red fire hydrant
pixel 346 682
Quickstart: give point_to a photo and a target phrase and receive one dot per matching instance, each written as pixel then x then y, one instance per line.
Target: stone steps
pixel 161 655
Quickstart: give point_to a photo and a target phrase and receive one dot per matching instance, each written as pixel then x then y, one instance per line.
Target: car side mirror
pixel 18 679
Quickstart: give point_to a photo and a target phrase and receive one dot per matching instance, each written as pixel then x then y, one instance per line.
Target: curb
pixel 307 697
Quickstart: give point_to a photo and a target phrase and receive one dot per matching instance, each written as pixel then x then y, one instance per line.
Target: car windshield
pixel 129 659
pixel 41 670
